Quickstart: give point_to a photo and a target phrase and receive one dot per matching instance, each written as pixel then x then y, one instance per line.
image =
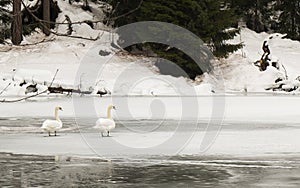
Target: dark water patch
pixel 63 171
pixel 33 171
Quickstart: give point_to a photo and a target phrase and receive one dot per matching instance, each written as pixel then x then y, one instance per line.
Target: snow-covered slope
pixel 22 66
pixel 121 74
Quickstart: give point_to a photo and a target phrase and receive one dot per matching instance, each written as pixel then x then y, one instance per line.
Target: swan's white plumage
pixel 105 125
pixel 50 125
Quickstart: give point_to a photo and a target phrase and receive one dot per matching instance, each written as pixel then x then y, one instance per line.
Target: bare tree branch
pixel 55 33
pixel 5 88
pixel 109 19
pixel 31 96
pixel 88 21
pixel 112 12
pixel 127 13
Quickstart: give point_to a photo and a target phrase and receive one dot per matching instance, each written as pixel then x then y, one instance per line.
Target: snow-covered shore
pixel 131 75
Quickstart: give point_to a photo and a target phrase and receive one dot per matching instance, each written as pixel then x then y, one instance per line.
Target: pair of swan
pixel 105 125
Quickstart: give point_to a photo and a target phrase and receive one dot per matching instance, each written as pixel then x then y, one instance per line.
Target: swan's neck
pixel 109 113
pixel 56 115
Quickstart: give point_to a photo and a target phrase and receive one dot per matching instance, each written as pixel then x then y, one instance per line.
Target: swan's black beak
pixel 114 108
pixel 60 109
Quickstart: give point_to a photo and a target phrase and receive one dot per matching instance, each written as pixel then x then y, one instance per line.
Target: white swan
pixel 53 125
pixel 106 124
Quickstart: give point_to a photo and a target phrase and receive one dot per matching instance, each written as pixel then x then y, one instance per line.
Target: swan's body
pixel 53 125
pixel 106 124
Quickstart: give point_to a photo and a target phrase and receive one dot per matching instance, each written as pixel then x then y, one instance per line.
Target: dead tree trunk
pixel 17 23
pixel 46 17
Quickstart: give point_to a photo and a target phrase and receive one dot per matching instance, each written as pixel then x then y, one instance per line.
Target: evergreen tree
pixel 289 19
pixel 256 13
pixel 208 19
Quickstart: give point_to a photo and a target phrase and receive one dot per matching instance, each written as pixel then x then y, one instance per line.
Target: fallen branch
pixel 31 96
pixel 42 41
pixel 69 92
pixel 29 44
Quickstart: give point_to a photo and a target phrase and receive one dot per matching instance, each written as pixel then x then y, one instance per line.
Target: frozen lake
pixel 242 155
pixel 255 145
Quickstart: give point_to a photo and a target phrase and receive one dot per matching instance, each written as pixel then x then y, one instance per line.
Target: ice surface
pixel 267 140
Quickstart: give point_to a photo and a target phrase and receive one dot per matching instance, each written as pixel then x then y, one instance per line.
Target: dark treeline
pixel 209 19
pixel 270 15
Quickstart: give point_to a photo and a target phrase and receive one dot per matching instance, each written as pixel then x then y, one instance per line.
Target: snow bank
pixel 240 74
